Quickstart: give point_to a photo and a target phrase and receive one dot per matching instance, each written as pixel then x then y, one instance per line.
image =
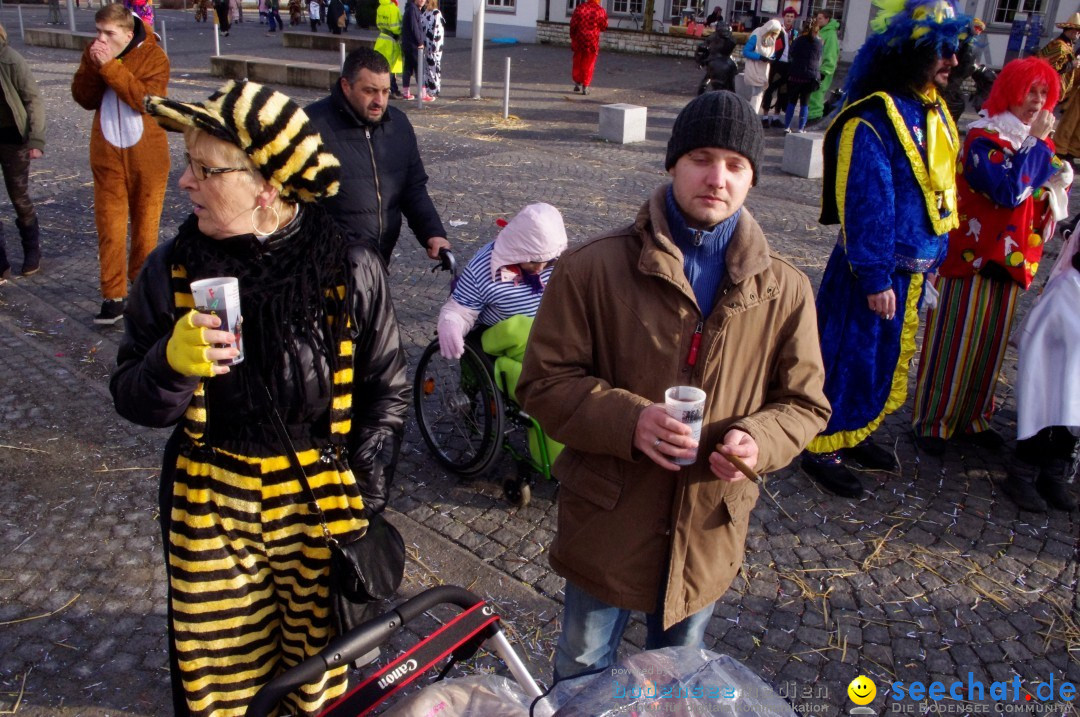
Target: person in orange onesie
pixel 586 24
pixel 129 154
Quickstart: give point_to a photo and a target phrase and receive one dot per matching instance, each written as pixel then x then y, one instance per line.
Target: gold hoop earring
pixel 254 226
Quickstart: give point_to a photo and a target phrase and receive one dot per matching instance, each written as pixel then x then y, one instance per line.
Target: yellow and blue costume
pixel 889 182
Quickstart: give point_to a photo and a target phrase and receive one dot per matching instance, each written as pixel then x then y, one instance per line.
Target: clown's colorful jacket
pixel 1004 207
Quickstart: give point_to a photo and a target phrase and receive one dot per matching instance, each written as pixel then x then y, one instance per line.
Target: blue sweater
pixel 704 261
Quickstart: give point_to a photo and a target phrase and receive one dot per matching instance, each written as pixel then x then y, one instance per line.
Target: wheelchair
pixel 467 418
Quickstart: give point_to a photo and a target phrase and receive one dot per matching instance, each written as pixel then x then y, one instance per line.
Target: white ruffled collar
pixel 1006 124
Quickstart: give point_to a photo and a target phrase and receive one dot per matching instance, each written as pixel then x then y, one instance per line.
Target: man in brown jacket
pixel 688 295
pixel 129 154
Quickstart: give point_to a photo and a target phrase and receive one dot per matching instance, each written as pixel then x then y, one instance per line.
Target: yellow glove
pixel 186 351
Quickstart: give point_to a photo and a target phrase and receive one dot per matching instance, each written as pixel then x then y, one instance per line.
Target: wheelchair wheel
pixel 459 409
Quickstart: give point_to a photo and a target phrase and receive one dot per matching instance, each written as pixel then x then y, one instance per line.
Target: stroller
pixel 676 679
pixel 459 639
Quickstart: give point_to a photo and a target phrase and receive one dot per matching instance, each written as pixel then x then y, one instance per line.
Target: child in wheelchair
pixel 499 292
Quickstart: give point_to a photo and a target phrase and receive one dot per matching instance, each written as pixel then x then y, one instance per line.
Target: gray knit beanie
pixel 717 119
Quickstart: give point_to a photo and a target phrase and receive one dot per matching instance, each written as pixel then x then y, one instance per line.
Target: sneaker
pixel 832 475
pixel 584 89
pixel 577 88
pixel 1051 486
pixel 787 130
pixel 4 276
pixel 1023 493
pixel 930 445
pixel 870 455
pixel 112 310
pixel 395 96
pixel 427 98
pixel 406 95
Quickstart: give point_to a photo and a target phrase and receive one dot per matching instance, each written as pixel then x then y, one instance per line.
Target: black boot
pixel 870 455
pixel 1020 486
pixel 831 474
pixel 5 267
pixel 31 243
pixel 1052 485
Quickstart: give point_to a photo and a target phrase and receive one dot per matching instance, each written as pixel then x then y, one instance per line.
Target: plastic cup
pixel 220 296
pixel 686 404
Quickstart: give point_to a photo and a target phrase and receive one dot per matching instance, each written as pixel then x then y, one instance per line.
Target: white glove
pixel 455 321
pixel 451 338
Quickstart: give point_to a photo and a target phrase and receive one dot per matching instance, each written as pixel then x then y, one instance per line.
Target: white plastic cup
pixel 686 404
pixel 220 296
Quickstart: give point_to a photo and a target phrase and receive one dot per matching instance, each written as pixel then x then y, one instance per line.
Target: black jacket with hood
pixel 382 175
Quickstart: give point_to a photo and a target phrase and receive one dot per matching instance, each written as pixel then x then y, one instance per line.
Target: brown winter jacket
pixel 613 332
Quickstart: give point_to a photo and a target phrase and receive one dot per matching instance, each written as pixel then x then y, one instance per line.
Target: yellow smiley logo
pixel 862 690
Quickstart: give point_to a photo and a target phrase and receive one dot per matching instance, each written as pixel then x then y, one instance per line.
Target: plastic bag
pixel 473 696
pixel 671 681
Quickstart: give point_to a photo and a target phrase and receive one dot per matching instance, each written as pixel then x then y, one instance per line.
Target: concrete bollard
pixel 623 123
pixel 803 154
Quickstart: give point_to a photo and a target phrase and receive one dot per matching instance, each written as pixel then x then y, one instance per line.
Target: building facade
pixel 518 18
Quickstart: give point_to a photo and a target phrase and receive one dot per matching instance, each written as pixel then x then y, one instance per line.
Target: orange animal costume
pixel 129 155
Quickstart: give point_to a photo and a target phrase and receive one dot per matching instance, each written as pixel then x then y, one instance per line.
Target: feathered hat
pixel 274 132
pixel 902 24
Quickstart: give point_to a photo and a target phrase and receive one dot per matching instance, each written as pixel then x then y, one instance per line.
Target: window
pixel 571 5
pixel 677 7
pixel 627 7
pixel 501 4
pixel 1007 10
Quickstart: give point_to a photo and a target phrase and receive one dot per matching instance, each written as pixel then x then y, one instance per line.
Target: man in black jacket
pixel 382 173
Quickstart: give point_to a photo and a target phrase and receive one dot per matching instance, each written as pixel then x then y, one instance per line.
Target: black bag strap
pixel 294 461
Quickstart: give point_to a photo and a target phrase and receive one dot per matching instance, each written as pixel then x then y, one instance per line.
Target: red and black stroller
pixel 458 639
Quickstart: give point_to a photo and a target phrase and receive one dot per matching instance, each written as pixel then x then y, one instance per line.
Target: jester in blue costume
pixel 890 163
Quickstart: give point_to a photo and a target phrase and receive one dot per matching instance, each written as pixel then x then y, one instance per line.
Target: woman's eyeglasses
pixel 202 172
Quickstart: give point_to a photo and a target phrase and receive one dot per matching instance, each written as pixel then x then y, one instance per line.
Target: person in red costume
pixel 586 24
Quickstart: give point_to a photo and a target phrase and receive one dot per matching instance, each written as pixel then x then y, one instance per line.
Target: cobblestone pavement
pixel 934 575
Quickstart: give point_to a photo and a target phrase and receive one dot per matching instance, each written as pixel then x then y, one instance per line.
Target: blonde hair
pixel 431 5
pixel 229 155
pixel 116 14
pixel 3 34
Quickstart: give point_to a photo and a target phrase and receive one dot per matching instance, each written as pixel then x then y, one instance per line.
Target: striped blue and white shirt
pixel 495 300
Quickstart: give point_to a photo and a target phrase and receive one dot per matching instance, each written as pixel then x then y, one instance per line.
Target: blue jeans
pixel 592 630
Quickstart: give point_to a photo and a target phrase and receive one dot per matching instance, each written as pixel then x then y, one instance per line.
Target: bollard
pixel 164 38
pixel 420 74
pixel 22 28
pixel 217 42
pixel 71 15
pixel 506 92
pixel 477 48
pixel 341 45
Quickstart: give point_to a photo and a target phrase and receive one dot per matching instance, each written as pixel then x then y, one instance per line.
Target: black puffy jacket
pixel 147 391
pixel 382 175
pixel 804 60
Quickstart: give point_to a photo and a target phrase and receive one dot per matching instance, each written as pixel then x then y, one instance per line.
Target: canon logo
pixel 397 673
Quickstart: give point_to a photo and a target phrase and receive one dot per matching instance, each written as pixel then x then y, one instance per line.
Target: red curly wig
pixel 1013 82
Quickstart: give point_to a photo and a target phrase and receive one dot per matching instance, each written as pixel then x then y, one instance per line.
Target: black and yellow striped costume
pixel 247 562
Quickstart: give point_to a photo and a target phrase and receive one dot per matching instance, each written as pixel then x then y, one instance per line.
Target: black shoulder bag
pixel 365 571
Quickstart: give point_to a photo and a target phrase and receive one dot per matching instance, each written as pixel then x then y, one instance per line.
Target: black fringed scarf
pixel 284 282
